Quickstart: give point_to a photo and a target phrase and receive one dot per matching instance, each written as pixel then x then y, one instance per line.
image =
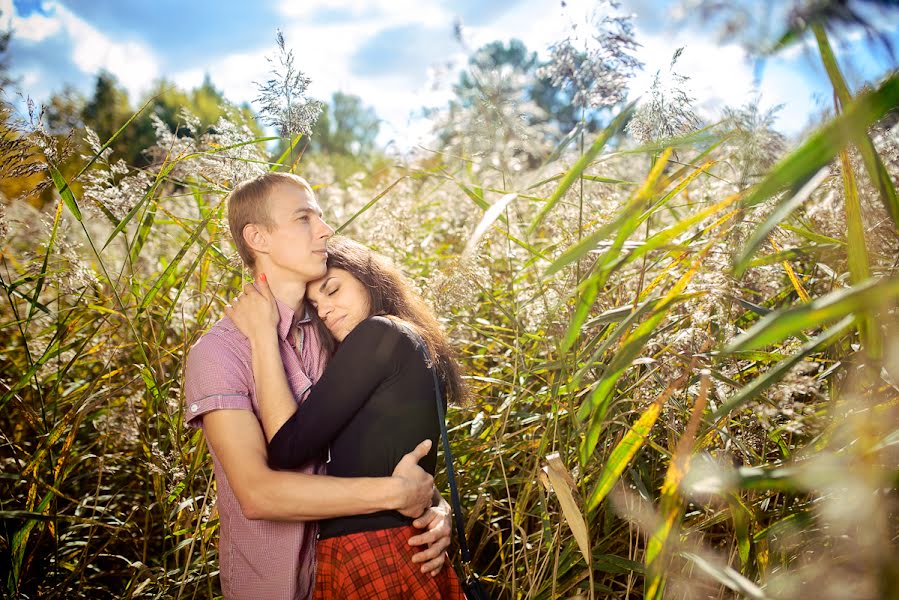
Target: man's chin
pixel 313 275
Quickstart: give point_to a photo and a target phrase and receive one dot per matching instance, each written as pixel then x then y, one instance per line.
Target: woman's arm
pixel 273 394
pixel 369 354
pixel 366 357
pixel 255 314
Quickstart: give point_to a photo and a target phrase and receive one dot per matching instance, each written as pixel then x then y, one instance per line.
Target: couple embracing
pixel 316 398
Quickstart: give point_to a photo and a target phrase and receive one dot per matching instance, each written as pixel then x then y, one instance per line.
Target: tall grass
pixel 692 395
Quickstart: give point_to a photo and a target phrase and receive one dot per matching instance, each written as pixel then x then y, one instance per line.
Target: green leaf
pixel 489 218
pixel 583 162
pixel 873 163
pixel 780 324
pixel 624 451
pixel 778 371
pixel 120 226
pixel 369 204
pixel 62 186
pixel 170 269
pixel 726 576
pixel 287 152
pixel 797 168
pixel 783 210
pixel 622 226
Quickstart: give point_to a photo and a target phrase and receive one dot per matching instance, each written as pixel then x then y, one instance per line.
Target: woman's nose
pixel 323 311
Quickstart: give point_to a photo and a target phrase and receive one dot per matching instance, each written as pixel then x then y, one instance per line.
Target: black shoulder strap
pixel 447 453
pixel 450 472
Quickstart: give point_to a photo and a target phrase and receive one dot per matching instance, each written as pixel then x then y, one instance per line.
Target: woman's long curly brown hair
pixel 391 294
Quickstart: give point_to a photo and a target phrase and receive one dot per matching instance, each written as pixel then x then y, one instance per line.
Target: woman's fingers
pixel 433 557
pixel 435 540
pixel 262 284
pixel 422 522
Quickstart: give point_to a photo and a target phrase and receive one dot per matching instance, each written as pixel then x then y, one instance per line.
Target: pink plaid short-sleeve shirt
pixel 258 559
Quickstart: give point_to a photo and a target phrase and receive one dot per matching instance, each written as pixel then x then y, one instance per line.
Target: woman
pixel 374 403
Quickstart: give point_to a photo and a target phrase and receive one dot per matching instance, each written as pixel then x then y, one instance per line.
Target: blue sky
pixel 398 55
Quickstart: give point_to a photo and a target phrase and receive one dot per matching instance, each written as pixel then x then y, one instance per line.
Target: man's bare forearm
pixel 288 496
pixel 263 493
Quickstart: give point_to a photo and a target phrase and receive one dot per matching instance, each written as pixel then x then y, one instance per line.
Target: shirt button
pixel 194 407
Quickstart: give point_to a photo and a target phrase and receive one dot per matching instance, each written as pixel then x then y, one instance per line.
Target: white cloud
pixel 324 53
pixel 325 45
pixel 132 62
pixel 33 28
pixel 375 12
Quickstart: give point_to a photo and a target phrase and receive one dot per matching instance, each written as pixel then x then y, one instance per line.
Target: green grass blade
pixel 824 144
pixel 726 576
pixel 287 152
pixel 627 448
pixel 120 226
pixel 585 302
pixel 62 186
pixel 176 260
pixel 778 371
pixel 621 226
pixel 369 204
pixel 574 173
pixel 873 164
pixel 626 316
pixel 489 218
pixel 115 135
pixel 800 166
pixel 778 325
pixel 781 212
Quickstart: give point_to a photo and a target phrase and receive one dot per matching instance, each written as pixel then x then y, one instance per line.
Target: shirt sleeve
pixel 214 379
pixel 367 356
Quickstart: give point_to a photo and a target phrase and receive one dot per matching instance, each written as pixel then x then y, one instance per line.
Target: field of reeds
pixel 682 353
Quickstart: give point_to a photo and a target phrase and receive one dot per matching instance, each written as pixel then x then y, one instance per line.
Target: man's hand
pixel 438 521
pixel 416 485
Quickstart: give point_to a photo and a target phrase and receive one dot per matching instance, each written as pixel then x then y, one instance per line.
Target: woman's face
pixel 341 301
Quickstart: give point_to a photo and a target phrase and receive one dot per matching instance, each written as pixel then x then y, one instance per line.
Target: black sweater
pixel 373 404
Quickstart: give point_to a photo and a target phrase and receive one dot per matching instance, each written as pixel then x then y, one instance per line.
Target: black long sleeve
pixel 371 353
pixel 373 404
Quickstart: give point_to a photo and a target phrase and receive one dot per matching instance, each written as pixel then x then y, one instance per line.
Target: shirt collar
pixel 289 318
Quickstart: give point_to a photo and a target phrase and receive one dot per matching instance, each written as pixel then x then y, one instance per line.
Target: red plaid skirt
pixel 378 565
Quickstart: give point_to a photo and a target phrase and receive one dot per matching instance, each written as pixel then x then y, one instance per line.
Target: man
pixel 265 548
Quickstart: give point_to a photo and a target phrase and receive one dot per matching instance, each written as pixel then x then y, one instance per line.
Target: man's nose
pixel 326 230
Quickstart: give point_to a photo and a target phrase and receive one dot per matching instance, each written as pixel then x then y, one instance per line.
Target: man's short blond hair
pixel 249 203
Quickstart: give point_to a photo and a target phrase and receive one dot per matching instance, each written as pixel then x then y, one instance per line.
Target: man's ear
pixel 256 238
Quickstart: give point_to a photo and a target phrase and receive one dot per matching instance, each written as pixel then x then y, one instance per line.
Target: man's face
pixel 297 241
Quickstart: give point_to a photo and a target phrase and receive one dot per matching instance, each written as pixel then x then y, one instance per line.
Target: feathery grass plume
pixel 18 154
pixel 594 65
pixel 4 224
pixel 282 99
pixel 669 111
pixel 109 184
pixel 493 122
pixel 490 125
pixel 757 145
